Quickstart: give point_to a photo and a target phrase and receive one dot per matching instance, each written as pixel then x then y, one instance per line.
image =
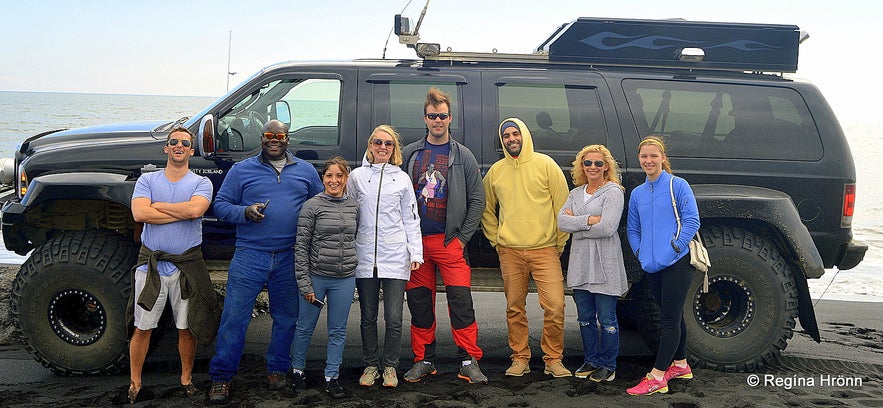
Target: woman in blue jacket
pixel 652 229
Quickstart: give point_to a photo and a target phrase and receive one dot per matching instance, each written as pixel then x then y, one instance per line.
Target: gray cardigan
pixel 326 239
pixel 596 263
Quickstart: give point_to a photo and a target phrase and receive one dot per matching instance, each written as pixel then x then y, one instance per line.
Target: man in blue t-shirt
pixel 170 203
pixel 450 196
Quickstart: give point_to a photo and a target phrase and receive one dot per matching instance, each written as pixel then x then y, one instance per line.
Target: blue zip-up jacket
pixel 652 225
pixel 255 180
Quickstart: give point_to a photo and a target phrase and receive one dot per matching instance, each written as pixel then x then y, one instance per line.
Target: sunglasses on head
pixel 277 136
pixel 378 142
pixel 597 163
pixel 174 142
pixel 442 116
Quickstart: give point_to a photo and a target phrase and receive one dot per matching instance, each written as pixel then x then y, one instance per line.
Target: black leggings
pixel 670 287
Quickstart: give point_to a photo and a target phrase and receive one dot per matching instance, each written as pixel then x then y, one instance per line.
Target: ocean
pixel 24 114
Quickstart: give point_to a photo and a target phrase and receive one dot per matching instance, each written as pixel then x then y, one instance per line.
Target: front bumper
pixel 13 236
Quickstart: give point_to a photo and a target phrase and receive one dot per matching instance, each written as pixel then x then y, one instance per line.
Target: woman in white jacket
pixel 389 247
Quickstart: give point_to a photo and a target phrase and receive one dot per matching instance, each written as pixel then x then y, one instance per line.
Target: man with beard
pixel 263 196
pixel 525 190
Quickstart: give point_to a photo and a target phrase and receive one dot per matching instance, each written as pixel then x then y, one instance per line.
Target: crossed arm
pixel 163 213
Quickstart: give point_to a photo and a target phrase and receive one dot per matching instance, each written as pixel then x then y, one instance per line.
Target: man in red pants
pixel 450 196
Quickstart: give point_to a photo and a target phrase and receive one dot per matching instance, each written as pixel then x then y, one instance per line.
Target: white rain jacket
pixel 389 226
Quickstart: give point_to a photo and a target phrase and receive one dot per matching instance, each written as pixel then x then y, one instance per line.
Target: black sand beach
pixel 846 369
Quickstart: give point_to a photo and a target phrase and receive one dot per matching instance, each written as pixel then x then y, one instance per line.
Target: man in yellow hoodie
pixel 524 191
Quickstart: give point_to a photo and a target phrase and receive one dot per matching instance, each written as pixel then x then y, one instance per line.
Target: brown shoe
pixel 518 368
pixel 276 381
pixel 220 393
pixel 557 369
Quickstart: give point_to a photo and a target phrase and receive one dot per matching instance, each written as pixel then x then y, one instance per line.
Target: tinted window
pixel 560 117
pixel 308 106
pixel 725 120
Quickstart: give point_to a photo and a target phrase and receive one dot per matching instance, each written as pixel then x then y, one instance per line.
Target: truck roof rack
pixel 653 43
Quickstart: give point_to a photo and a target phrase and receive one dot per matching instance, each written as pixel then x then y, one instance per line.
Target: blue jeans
pixel 600 344
pixel 338 296
pixel 249 271
pixel 369 303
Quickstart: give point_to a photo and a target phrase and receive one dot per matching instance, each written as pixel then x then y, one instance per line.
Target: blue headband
pixel 508 124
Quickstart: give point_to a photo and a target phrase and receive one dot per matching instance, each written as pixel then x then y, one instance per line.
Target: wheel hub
pixel 77 317
pixel 727 309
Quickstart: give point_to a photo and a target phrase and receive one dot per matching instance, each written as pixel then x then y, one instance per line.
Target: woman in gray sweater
pixel 596 272
pixel 325 268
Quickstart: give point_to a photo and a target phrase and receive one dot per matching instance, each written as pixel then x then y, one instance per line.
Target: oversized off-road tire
pixel 640 312
pixel 746 319
pixel 69 302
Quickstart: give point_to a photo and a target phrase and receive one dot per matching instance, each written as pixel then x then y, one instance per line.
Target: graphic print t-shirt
pixel 430 184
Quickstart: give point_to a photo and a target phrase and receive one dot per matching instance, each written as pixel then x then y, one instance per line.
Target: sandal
pixel 133 392
pixel 189 390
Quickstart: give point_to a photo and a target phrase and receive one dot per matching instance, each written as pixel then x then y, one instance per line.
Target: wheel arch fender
pixel 767 206
pixel 80 186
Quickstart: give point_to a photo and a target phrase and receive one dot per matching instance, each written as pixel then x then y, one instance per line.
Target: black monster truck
pixel 767 159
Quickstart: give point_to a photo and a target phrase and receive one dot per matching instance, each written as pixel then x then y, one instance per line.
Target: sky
pixel 166 47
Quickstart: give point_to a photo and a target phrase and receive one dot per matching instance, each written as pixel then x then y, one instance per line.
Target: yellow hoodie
pixel 524 195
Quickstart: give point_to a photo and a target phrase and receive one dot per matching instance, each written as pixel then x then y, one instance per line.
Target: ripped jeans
pixel 600 344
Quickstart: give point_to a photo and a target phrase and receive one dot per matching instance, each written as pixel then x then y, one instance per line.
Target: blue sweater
pixel 254 180
pixel 652 225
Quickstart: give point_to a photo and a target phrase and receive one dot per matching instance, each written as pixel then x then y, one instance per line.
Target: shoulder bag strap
pixel 674 205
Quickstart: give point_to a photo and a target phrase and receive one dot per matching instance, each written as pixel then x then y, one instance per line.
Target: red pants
pixel 457 277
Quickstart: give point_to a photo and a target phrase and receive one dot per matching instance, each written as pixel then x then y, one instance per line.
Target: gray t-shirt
pixel 174 237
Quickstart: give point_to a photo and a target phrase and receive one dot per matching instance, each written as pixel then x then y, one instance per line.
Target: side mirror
pixel 205 137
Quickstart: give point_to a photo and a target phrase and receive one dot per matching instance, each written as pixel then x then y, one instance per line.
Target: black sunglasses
pixel 597 163
pixel 378 142
pixel 174 142
pixel 442 116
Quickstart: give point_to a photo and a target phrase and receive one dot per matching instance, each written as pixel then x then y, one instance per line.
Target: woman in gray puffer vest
pixel 325 268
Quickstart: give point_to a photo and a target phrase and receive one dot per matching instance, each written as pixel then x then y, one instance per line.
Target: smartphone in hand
pixel 318 303
pixel 266 203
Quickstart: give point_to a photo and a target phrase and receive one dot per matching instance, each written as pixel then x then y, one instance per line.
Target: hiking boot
pixel 389 377
pixel 220 393
pixel 369 376
pixel 334 389
pixel 419 370
pixel 518 368
pixel 602 374
pixel 649 385
pixel 676 372
pixel 472 373
pixel 276 381
pixel 557 370
pixel 584 370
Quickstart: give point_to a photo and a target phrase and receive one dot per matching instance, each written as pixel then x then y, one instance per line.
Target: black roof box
pixel 727 46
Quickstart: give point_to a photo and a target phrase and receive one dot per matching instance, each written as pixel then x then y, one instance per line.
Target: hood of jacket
pixel 527 150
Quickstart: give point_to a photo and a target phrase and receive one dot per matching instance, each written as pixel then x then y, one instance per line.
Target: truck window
pixel 310 107
pixel 724 120
pixel 561 118
pixel 405 109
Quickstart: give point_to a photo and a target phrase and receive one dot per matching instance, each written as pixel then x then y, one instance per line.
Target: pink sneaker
pixel 675 372
pixel 649 385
